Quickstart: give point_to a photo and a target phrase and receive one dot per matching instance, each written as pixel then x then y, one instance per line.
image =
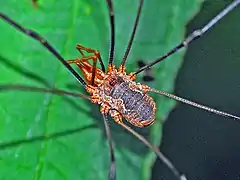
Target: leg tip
pixel 183 177
pixel 112 172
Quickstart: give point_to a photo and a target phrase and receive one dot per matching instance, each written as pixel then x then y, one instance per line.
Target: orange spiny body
pixel 118 93
pixel 120 96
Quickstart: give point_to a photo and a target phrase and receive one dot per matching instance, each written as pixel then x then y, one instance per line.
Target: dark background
pixel 200 144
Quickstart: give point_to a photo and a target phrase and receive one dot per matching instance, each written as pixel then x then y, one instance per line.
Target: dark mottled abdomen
pixel 137 106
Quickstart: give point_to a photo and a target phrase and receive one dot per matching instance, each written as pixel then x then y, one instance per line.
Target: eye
pixel 113 81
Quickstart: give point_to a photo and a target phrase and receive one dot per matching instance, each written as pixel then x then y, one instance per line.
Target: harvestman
pixel 115 91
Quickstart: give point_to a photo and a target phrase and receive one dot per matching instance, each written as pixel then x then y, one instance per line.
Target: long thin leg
pixel 81 48
pixel 55 135
pixel 221 113
pixel 193 36
pixel 112 169
pixel 133 33
pixel 15 143
pixel 118 119
pixel 44 42
pixel 163 158
pixel 7 87
pixel 112 36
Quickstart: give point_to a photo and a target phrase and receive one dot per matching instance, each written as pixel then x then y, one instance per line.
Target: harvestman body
pixel 117 92
pixel 120 96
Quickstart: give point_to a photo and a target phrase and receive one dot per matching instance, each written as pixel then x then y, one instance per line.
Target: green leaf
pixel 24 61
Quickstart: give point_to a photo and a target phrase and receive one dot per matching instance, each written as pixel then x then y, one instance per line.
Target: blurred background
pixel 203 145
